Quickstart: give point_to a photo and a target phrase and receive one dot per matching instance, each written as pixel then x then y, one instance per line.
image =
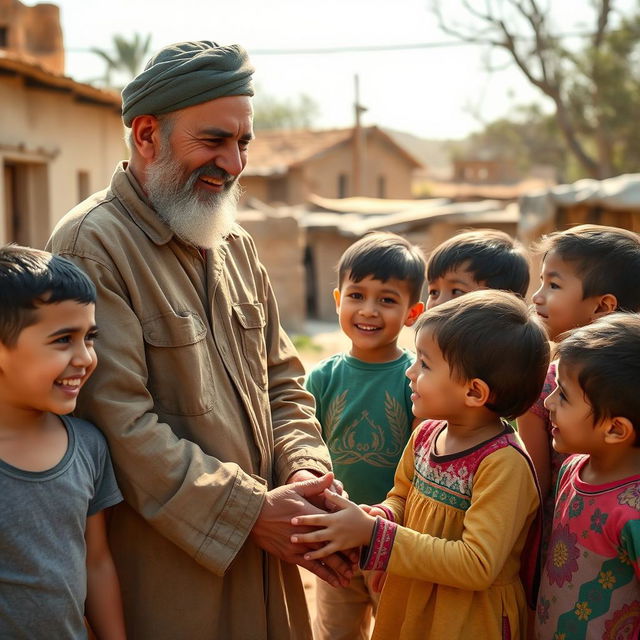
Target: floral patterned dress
pixel 590 584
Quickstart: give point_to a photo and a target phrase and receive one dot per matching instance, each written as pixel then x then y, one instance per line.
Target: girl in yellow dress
pixel 458 534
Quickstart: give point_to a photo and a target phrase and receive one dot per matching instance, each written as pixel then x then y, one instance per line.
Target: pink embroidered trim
pixel 388 513
pixel 376 556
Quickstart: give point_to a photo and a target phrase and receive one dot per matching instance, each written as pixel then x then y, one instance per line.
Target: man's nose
pixel 231 160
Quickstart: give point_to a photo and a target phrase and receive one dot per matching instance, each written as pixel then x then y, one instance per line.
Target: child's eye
pixel 433 293
pixel 91 336
pixel 423 364
pixel 62 340
pixel 387 300
pixel 458 292
pixel 562 396
pixel 355 296
pixel 554 285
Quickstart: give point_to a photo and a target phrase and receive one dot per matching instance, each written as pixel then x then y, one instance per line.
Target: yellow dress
pixel 454 567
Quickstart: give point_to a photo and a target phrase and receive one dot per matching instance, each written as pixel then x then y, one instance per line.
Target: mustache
pixel 213 171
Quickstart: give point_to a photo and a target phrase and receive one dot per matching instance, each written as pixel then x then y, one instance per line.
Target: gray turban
pixel 184 74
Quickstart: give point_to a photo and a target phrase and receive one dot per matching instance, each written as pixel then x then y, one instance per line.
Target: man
pixel 198 388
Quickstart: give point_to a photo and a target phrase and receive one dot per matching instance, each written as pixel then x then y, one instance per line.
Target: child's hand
pixel 374 511
pixel 349 526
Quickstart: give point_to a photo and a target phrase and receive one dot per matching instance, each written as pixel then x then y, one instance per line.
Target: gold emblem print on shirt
pixel 363 440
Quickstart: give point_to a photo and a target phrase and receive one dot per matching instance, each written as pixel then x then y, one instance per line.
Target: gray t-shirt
pixel 43 578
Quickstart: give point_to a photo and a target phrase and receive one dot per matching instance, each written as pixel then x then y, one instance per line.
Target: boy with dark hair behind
pixel 472 260
pixel 55 472
pixel 591 581
pixel 363 398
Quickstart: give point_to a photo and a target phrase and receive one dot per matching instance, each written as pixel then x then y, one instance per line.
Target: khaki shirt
pixel 199 392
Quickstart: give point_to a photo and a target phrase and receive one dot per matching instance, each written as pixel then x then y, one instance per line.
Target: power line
pixel 369 48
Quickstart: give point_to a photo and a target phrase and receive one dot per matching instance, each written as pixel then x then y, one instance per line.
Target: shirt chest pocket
pixel 251 321
pixel 179 363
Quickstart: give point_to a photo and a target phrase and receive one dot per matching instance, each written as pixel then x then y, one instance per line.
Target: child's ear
pixel 606 304
pixel 478 393
pixel 619 430
pixel 414 313
pixel 336 297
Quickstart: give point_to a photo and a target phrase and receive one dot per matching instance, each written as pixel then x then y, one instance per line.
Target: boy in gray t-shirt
pixel 55 472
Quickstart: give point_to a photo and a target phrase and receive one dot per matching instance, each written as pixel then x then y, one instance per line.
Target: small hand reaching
pixel 272 530
pixel 347 527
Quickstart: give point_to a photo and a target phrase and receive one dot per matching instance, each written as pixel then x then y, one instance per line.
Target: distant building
pixel 287 167
pixel 32 34
pixel 59 139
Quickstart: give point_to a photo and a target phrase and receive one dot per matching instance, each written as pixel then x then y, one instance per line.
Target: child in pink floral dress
pixel 590 585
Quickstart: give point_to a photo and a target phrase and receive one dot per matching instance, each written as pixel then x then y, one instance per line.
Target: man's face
pixel 192 183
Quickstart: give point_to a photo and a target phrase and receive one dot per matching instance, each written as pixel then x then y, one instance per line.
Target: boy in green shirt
pixel 363 397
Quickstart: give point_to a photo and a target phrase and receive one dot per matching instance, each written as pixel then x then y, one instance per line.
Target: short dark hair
pixel 605 356
pixel 383 255
pixel 494 258
pixel 606 259
pixel 29 278
pixel 492 335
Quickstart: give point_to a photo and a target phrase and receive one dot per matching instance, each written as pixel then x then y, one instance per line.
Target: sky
pixel 438 92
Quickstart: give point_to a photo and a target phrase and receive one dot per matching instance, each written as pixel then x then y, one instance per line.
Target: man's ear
pixel 619 430
pixel 606 304
pixel 414 313
pixel 478 393
pixel 336 297
pixel 143 138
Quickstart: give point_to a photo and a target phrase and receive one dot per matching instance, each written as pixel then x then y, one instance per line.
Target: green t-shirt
pixel 365 412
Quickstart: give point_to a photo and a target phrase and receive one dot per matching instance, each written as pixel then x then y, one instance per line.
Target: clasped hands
pixel 306 523
pixel 303 496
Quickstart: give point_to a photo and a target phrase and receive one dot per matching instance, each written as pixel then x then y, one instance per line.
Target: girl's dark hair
pixel 30 278
pixel 492 335
pixel 605 356
pixel 384 255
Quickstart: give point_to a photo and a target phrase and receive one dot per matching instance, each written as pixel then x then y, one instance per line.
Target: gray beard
pixel 202 220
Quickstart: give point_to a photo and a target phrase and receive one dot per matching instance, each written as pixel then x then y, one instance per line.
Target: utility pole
pixel 358 144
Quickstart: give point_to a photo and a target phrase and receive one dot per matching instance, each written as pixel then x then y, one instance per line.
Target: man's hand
pixel 272 530
pixel 302 475
pixel 347 527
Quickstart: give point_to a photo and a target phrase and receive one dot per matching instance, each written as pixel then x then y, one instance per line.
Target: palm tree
pixel 128 58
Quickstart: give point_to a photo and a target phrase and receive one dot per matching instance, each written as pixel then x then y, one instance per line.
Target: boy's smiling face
pixel 51 360
pixel 372 313
pixel 453 284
